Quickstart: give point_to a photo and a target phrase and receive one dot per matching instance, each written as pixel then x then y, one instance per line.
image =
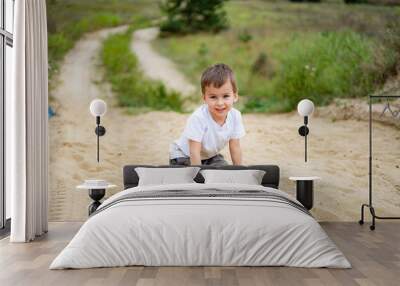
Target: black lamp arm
pixel 100 131
pixel 303 131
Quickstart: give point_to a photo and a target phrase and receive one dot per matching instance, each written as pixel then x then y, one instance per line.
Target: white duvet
pixel 200 231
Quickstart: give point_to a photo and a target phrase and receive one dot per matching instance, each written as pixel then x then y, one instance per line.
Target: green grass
pixel 68 20
pixel 61 42
pixel 325 66
pixel 132 89
pixel 339 40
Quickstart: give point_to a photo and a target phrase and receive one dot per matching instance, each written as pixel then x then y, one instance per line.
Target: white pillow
pixel 163 176
pixel 248 177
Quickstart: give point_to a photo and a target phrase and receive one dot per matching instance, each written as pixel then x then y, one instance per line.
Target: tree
pixel 188 16
pixel 355 1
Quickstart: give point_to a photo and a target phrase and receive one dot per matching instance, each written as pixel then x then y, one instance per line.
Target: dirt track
pixel 157 67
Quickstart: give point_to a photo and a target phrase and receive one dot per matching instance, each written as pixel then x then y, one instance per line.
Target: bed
pixel 198 224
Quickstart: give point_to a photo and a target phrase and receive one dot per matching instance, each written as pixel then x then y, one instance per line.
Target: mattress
pixel 201 225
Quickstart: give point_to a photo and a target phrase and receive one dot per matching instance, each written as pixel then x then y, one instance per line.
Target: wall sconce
pixel 98 108
pixel 305 108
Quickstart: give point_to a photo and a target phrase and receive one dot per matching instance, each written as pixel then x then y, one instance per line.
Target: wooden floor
pixel 375 257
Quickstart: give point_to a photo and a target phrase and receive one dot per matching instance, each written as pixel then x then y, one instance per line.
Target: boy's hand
pixel 236 151
pixel 195 148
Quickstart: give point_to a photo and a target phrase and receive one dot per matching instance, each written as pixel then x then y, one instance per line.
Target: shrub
pixel 245 36
pixel 329 65
pixel 355 1
pixel 262 66
pixel 187 16
pixel 313 1
pixel 391 42
pixel 58 45
pixel 386 57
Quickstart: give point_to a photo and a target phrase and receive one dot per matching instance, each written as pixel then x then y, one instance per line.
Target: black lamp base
pixel 96 195
pixel 305 193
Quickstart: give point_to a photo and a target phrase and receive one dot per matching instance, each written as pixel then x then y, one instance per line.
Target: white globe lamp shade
pixel 305 107
pixel 98 107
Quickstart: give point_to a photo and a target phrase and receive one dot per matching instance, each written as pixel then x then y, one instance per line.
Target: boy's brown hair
pixel 217 75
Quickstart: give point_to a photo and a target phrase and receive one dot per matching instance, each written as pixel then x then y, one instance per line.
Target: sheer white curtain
pixel 27 122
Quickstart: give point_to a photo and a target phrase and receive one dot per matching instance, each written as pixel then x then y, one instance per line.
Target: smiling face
pixel 220 100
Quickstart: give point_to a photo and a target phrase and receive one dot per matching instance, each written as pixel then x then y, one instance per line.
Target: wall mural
pixel 145 61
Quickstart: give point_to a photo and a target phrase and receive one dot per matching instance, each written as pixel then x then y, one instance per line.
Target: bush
pixel 355 1
pixel 262 66
pixel 329 65
pixel 187 16
pixel 131 88
pixel 386 62
pixel 245 36
pixel 58 45
pixel 313 1
pixel 391 42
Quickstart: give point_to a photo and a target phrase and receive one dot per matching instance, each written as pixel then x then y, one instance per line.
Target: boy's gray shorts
pixel 217 160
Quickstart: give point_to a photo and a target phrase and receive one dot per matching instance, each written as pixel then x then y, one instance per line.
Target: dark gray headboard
pixel 270 179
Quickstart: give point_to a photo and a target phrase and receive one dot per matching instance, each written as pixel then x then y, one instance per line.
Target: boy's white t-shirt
pixel 201 127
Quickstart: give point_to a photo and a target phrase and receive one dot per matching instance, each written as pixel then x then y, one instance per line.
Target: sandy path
pixel 157 67
pixel 338 149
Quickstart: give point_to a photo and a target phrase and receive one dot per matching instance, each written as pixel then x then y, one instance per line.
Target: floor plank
pixel 375 257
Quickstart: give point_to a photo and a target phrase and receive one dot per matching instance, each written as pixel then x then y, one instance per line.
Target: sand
pixel 338 145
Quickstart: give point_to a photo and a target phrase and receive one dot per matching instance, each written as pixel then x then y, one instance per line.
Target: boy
pixel 212 125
